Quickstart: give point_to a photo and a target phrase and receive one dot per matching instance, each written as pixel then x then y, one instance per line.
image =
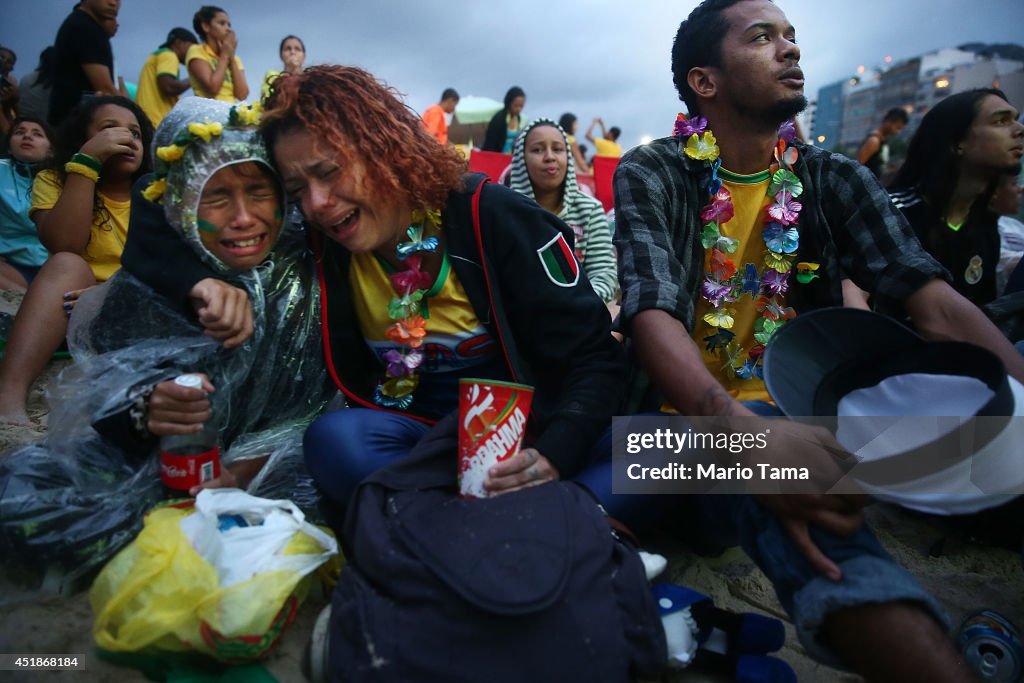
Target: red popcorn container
pixel 492 422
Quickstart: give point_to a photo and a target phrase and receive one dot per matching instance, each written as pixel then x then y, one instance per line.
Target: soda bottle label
pixel 181 471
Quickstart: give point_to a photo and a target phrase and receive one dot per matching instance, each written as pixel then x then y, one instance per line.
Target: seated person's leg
pixel 343 447
pixel 874 595
pixel 11 278
pixel 39 327
pixel 856 621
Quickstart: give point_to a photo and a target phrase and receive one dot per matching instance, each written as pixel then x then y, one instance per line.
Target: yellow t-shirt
pixel 607 148
pixel 750 202
pixel 227 88
pixel 455 338
pixel 109 224
pixel 163 62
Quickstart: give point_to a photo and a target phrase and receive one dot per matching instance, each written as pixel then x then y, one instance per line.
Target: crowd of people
pixel 329 243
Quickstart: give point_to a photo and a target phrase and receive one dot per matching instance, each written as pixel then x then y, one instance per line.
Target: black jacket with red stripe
pixel 555 335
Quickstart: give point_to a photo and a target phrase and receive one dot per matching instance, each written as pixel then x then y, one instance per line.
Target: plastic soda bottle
pixel 187 460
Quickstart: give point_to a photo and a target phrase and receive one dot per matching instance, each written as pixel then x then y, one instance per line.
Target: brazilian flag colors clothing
pixel 750 200
pixel 456 344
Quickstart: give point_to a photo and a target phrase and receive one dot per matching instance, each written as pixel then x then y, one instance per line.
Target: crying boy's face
pixel 240 215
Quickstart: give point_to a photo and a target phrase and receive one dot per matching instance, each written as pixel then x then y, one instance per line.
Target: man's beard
pixel 784 110
pixel 777 113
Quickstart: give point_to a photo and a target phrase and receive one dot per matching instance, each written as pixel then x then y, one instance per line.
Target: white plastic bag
pixel 241 552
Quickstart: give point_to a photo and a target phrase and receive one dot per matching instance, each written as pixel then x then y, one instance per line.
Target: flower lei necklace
pixel 723 282
pixel 409 311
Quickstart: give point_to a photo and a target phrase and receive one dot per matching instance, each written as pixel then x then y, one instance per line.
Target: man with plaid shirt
pixel 736 64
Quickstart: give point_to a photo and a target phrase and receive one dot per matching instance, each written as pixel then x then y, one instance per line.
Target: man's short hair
pixel 614 132
pixel 449 94
pixel 699 43
pixel 896 115
pixel 179 33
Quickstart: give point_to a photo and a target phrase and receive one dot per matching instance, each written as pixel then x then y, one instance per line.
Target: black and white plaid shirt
pixel 847 225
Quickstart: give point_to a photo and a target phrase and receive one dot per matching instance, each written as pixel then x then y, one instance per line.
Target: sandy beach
pixel 965 577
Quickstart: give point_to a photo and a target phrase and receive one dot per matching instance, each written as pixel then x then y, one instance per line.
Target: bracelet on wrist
pixel 87 160
pixel 138 411
pixel 82 170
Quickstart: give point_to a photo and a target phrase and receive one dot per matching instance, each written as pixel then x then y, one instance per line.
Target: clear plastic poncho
pixel 77 497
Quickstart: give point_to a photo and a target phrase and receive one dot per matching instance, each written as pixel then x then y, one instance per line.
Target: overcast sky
pixel 594 58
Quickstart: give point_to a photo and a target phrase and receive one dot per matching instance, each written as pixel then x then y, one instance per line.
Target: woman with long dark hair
pixel 213 67
pixel 34 96
pixel 80 208
pixel 506 124
pixel 962 147
pixel 21 253
pixel 293 56
pixel 569 124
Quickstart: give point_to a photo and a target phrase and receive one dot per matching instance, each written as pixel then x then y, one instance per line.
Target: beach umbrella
pixel 472 109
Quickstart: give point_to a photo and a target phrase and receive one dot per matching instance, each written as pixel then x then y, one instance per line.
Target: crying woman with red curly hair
pixel 427 275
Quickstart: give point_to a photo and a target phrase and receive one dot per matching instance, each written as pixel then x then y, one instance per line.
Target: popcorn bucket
pixel 492 422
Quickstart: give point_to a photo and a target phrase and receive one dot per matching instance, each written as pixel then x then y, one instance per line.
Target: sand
pixel 964 578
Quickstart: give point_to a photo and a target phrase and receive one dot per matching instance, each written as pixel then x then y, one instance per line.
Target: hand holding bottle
pixel 179 409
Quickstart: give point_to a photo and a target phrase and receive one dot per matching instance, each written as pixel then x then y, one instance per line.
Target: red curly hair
pixel 358 117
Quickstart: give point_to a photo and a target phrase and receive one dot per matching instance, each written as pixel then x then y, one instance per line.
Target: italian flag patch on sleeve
pixel 559 263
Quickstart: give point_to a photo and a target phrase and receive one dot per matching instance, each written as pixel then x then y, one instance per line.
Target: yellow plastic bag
pixel 185 585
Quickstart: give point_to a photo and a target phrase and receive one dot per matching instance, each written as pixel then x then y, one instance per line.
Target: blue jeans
pixel 870 574
pixel 344 447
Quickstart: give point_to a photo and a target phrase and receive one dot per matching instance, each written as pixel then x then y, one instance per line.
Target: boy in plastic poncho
pixel 80 495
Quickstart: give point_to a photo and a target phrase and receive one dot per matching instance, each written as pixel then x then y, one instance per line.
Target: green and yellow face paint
pixel 207 227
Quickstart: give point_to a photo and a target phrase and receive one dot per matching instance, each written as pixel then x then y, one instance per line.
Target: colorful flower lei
pixel 240 116
pixel 409 311
pixel 724 282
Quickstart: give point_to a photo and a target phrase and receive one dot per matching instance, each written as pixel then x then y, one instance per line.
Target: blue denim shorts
pixel 870 574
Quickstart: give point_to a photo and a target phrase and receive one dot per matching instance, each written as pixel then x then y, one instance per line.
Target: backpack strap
pixel 483 180
pixel 478 236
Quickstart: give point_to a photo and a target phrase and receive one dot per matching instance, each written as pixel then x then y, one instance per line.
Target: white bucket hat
pixel 935 426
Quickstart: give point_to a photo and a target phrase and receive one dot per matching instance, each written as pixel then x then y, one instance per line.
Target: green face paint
pixel 278 216
pixel 206 226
